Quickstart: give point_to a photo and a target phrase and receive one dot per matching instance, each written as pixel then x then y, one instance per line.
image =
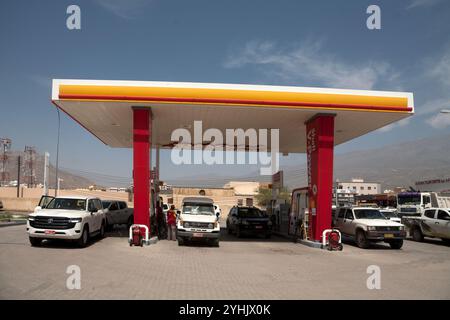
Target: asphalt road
pixel 238 269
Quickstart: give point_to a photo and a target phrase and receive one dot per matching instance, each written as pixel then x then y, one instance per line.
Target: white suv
pixel 366 225
pixel 71 218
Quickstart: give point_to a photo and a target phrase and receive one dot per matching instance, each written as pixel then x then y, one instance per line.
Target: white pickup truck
pixel 75 218
pixel 433 223
pixel 366 225
pixel 117 212
pixel 198 221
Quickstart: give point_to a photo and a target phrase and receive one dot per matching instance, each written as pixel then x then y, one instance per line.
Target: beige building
pixel 359 186
pixel 232 193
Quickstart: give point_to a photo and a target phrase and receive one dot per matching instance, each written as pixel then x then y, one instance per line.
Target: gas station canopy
pixel 104 108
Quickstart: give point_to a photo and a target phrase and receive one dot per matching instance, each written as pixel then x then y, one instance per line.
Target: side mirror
pixel 217 214
pixel 37 208
pixel 94 210
pixel 178 212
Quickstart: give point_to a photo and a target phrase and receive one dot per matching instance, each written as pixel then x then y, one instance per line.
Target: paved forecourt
pixel 238 269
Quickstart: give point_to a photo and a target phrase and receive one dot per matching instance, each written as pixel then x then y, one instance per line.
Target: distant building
pixel 359 186
pixel 245 188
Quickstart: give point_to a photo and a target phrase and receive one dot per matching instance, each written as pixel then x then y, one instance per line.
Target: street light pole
pixel 57 154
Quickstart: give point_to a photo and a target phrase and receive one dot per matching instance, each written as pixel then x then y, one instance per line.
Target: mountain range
pixel 395 165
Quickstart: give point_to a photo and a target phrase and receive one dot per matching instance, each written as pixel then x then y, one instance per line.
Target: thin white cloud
pixel 398 124
pixel 434 106
pixel 422 3
pixel 437 71
pixel 125 9
pixel 309 63
pixel 439 121
pixel 440 68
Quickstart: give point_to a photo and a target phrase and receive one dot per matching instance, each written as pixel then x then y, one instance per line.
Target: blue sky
pixel 304 43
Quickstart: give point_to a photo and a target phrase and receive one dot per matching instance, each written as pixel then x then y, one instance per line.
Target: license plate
pixel 49 232
pixel 197 235
pixel 258 227
pixel 388 235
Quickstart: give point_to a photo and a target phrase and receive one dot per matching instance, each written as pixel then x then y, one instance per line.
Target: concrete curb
pixel 308 243
pixel 311 244
pixel 15 223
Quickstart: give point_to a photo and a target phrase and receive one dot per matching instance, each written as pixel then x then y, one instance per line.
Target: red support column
pixel 319 148
pixel 141 164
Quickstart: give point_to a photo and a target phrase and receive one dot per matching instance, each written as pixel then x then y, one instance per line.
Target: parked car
pixel 117 212
pixel 391 214
pixel 198 221
pixel 433 223
pixel 248 220
pixel 367 225
pixel 70 218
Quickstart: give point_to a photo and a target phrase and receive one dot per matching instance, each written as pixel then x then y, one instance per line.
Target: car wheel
pixel 397 244
pixel 35 242
pixel 102 231
pixel 268 236
pixel 417 235
pixel 216 243
pixel 84 239
pixel 229 229
pixel 361 240
pixel 180 242
pixel 108 226
pixel 446 241
pixel 238 232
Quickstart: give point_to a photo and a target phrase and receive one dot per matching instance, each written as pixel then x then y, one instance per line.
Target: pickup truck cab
pixel 366 225
pixel 117 212
pixel 433 223
pixel 74 218
pixel 198 221
pixel 391 214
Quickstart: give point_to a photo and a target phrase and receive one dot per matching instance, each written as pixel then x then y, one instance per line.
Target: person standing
pixel 171 222
pixel 161 223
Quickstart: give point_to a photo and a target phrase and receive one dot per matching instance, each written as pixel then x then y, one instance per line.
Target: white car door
pixel 339 220
pixel 442 224
pixel 95 214
pixel 429 223
pixel 99 214
pixel 347 227
pixel 92 221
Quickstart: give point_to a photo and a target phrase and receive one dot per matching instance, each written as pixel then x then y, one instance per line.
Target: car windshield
pixel 389 214
pixel 66 203
pixel 198 208
pixel 408 199
pixel 250 213
pixel 368 214
pixel 106 204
